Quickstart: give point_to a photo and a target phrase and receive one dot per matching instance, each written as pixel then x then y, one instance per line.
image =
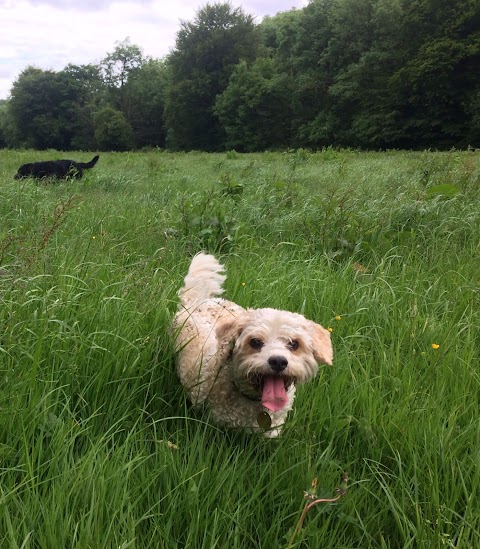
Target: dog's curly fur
pixel 58 169
pixel 226 352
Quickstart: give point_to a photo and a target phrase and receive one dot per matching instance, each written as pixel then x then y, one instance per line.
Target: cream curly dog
pixel 244 364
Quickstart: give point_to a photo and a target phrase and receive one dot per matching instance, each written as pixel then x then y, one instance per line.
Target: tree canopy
pixel 346 73
pixel 206 54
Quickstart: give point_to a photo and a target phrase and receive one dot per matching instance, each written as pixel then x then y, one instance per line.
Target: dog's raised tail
pixel 203 281
pixel 90 164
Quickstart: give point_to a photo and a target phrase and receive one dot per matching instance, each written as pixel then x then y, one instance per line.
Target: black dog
pixel 59 169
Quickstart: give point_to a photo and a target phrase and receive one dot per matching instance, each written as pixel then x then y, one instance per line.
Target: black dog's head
pixel 22 172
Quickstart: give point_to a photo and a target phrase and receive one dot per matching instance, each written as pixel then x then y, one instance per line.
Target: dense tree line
pixel 350 73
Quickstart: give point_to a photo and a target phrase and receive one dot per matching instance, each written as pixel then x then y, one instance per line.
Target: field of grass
pixel 99 447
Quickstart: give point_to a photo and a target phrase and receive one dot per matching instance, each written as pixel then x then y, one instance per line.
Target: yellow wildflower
pixel 330 329
pixel 435 346
pixel 338 317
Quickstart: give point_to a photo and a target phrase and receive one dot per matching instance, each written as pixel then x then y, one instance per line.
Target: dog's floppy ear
pixel 230 328
pixel 322 344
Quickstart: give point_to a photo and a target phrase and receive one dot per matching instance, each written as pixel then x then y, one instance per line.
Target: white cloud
pixel 50 34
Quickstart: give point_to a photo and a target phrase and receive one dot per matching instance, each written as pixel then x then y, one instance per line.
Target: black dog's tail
pixel 90 164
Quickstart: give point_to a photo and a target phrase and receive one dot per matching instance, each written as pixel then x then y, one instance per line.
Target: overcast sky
pixel 49 34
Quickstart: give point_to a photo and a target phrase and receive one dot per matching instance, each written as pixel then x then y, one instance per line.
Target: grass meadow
pixel 99 447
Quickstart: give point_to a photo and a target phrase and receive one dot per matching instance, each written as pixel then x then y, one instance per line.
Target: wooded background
pixel 370 74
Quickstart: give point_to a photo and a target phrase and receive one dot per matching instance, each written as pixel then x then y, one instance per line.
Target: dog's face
pixel 22 172
pixel 273 350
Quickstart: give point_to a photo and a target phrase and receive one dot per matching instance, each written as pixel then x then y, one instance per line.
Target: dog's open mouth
pixel 273 390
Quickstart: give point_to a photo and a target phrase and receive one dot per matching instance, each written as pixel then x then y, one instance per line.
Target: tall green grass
pixel 98 446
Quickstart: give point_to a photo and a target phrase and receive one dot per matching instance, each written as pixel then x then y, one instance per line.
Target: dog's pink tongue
pixel 274 396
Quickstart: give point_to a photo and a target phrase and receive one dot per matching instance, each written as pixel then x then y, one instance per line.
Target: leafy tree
pixel 87 103
pixel 3 124
pixel 363 112
pixel 334 35
pixel 37 106
pixel 119 68
pixel 206 53
pixel 438 81
pixel 148 88
pixel 254 110
pixel 8 131
pixel 363 101
pixel 297 40
pixel 380 73
pixel 472 110
pixel 136 87
pixel 280 33
pixel 46 107
pixel 112 130
pixel 119 65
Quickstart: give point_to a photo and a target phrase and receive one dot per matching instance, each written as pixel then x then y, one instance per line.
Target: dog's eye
pixel 256 343
pixel 293 345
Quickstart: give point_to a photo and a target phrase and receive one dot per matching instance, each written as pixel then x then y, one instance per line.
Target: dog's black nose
pixel 277 363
